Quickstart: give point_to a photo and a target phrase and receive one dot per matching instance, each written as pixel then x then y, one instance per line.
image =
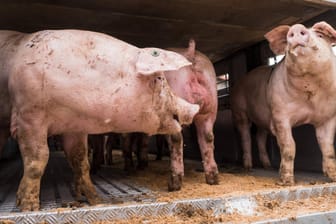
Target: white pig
pixel 299 90
pixel 75 83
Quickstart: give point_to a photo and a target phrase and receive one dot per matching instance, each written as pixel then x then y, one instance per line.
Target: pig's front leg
pixel 175 142
pixel 325 136
pixel 76 151
pixel 206 139
pixel 283 133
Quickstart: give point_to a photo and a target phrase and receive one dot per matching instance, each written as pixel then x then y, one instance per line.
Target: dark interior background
pixel 229 32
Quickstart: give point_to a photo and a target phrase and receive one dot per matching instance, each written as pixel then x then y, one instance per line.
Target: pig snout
pixel 298 35
pixel 185 111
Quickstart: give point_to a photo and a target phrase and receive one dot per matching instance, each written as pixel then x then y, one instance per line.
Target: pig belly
pixel 92 121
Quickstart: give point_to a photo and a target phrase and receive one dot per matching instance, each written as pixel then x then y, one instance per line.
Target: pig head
pixel 299 90
pixel 73 83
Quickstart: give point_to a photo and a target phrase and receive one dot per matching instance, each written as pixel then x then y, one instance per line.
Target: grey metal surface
pixel 57 185
pixel 222 205
pixel 113 186
pixel 313 218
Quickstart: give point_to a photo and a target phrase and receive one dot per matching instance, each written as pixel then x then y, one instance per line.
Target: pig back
pixel 249 96
pixel 77 77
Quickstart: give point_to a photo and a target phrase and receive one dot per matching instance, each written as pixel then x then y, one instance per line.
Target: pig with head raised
pixel 301 89
pixel 75 83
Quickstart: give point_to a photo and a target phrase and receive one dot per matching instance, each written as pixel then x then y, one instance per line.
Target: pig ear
pixel 277 39
pixel 153 60
pixel 325 29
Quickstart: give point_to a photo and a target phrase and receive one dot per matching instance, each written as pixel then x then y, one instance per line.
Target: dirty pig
pixel 75 83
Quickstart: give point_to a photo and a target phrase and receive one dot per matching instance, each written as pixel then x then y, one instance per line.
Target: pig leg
pixel 261 142
pixel 325 137
pixel 76 151
pixel 35 154
pixel 283 133
pixel 205 139
pixel 109 157
pixel 4 135
pixel 160 144
pixel 111 138
pixel 243 126
pixel 128 151
pixel 175 143
pixel 142 152
pixel 97 142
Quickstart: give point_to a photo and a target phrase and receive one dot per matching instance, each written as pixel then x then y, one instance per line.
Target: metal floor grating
pixel 112 185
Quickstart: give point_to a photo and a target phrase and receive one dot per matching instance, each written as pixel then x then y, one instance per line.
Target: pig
pixel 197 85
pixel 97 144
pixel 138 143
pixel 75 83
pixel 101 146
pixel 161 146
pixel 301 89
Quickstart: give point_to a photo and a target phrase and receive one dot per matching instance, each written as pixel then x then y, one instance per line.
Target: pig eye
pixel 155 53
pixel 319 34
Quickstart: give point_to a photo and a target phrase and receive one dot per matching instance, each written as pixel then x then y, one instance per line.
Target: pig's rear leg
pixel 205 139
pixel 243 125
pixel 175 143
pixel 32 138
pixel 261 142
pixel 76 151
pixel 325 137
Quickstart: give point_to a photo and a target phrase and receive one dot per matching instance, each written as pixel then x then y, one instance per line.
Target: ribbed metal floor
pixel 57 185
pixel 114 186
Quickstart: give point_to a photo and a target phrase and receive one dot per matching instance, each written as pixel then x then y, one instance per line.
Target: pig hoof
pixel 268 167
pixel 212 178
pixel 27 205
pixel 285 182
pixel 332 177
pixel 175 182
pixel 248 168
pixel 266 164
pixel 95 200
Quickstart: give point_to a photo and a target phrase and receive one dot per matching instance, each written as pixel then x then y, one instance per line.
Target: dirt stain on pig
pixel 309 94
pixel 115 91
pixel 91 45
